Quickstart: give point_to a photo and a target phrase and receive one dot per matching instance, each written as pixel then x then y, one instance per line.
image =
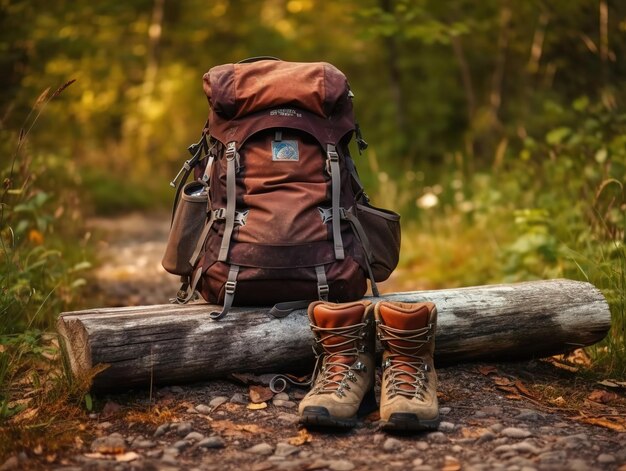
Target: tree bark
pixel 167 344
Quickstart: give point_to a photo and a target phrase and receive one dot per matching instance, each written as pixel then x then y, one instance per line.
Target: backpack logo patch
pixel 285 151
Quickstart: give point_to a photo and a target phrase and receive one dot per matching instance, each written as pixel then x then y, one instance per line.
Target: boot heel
pixel 368 404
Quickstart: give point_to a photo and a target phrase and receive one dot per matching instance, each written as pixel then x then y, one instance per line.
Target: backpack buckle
pixel 219 214
pixel 230 287
pixel 322 292
pixel 231 151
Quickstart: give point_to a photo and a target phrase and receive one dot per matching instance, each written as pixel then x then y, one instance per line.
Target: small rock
pixel 11 463
pixel 574 441
pixel 261 449
pixel 446 427
pixel 578 465
pixel 514 432
pixel 109 445
pixel 527 447
pixel 392 444
pixel 503 449
pixel 417 462
pixel 457 448
pixel 291 419
pixel 444 410
pixel 283 396
pixel 340 465
pixel 181 444
pixel 104 425
pixel 212 442
pixel 194 436
pixel 191 410
pixel 437 437
pixel 155 454
pixel 170 458
pixel 529 414
pixel 496 428
pixel 485 437
pixel 605 458
pixel 285 449
pixel 553 456
pixel 93 415
pixel 203 409
pixel 492 410
pixel 176 390
pixel 298 395
pixel 161 430
pixel 218 401
pixel 238 398
pixel 421 445
pixel 480 414
pixel 424 467
pixel 282 403
pixel 183 428
pixel 378 437
pixel 143 444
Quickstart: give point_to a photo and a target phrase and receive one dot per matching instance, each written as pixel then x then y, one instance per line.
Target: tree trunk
pixel 171 343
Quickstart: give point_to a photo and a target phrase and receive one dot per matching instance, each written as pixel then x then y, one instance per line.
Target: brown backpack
pixel 276 212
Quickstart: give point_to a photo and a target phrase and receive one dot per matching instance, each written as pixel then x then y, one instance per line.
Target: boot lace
pixel 415 380
pixel 335 375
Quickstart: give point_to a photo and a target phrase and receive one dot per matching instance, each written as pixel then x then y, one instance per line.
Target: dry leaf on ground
pixel 603 397
pixel 300 439
pixel 260 394
pixel 126 457
pixel 257 405
pixel 617 424
pixel 487 370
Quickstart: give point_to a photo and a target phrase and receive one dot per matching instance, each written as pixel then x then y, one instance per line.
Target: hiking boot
pixel 409 387
pixel 343 379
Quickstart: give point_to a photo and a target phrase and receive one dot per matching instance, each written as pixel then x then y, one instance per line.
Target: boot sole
pixel 405 422
pixel 317 416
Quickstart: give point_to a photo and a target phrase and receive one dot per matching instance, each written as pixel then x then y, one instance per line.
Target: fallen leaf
pixel 126 457
pixel 515 397
pixel 257 405
pixel 260 394
pixel 473 432
pixel 618 424
pixel 603 397
pixel 51 458
pixel 303 437
pixel 373 416
pixel 523 389
pixel 96 456
pixel 38 450
pixel 451 464
pixel 559 401
pixel 487 370
pixel 611 383
pixel 500 381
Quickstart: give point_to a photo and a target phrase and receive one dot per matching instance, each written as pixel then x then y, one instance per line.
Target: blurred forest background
pixel 496 128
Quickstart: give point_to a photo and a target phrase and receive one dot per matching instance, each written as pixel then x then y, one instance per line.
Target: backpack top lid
pixel 235 90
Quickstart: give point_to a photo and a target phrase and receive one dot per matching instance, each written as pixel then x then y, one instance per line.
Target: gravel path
pixel 515 416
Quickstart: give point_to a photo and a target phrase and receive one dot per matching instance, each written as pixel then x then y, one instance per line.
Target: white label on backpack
pixel 285 151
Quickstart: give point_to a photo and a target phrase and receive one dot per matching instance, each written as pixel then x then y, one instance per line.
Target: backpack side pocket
pixel 187 225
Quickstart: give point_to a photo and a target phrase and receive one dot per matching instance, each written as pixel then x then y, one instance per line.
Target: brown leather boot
pixel 409 387
pixel 343 385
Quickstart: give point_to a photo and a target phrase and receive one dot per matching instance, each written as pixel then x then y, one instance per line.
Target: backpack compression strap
pixel 231 195
pixel 333 164
pixel 229 293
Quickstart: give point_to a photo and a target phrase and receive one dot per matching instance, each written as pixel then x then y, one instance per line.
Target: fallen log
pixel 166 344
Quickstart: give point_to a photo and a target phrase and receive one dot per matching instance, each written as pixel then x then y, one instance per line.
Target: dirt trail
pixel 516 416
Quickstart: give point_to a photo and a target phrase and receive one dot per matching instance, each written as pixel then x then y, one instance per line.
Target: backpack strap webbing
pixel 231 199
pixel 333 161
pixel 361 235
pixel 229 293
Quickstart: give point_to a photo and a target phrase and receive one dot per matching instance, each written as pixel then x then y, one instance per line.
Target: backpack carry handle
pixel 258 58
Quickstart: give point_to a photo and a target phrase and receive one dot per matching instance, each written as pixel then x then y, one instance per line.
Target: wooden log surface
pixel 169 343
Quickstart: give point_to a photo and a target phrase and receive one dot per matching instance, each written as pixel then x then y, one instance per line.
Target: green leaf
pixel 558 135
pixel 88 402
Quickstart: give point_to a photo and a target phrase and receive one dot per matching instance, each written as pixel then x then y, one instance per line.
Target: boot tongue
pixel 330 316
pixel 404 318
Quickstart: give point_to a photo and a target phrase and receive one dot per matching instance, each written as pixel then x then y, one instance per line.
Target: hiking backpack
pixel 276 212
